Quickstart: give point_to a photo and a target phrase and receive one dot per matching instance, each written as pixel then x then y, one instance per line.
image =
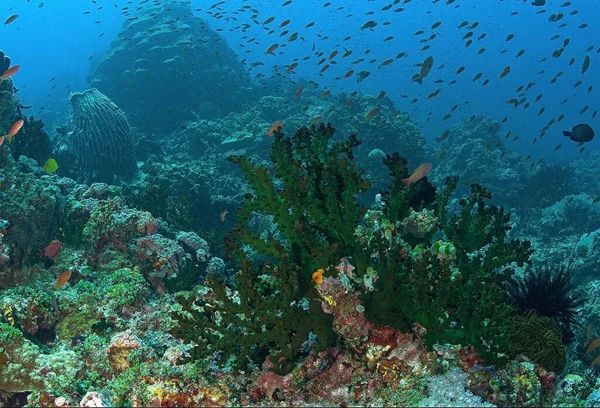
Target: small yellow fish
pixel 50 166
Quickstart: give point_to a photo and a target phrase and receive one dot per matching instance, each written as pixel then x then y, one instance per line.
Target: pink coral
pixel 268 383
pixel 333 384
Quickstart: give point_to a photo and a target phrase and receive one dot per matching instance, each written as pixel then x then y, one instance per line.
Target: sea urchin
pixel 550 294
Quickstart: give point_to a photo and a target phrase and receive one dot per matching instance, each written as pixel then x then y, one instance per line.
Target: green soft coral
pixel 263 320
pixel 444 271
pixel 312 197
pixel 455 287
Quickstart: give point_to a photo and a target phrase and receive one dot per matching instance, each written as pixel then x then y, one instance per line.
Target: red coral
pixel 268 383
pixel 333 384
pixel 469 358
pixel 547 378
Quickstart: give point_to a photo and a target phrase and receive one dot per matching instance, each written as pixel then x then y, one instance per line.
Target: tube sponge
pixel 100 139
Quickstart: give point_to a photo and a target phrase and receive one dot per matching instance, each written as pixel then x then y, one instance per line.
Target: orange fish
pixel 374 112
pixel 299 91
pixel 62 279
pixel 14 130
pixel 418 174
pixel 11 71
pixel 317 277
pixel 274 128
pixel 11 19
pixel 223 215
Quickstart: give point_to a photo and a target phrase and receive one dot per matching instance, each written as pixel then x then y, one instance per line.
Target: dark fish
pixel 580 133
pixel 425 68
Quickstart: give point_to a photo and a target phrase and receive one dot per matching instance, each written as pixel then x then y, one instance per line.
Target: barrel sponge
pixel 100 138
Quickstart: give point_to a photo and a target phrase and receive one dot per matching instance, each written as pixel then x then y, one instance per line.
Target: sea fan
pixel 549 294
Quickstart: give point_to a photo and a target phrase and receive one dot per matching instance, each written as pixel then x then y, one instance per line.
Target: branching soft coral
pixel 457 295
pixel 452 284
pixel 312 197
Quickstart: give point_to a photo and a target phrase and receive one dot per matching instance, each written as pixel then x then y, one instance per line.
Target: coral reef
pixel 312 196
pixel 30 216
pixel 400 303
pixel 475 153
pixel 99 144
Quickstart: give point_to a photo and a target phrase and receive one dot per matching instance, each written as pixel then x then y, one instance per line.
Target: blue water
pixel 57 40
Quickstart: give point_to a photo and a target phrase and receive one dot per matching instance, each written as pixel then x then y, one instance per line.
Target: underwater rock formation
pixel 4 62
pixel 8 105
pixel 30 216
pixel 167 66
pixel 475 153
pixel 99 143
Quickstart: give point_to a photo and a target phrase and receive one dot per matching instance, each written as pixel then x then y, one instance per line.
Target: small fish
pixel 580 133
pixel 299 91
pixel 14 130
pixel 62 279
pixel 425 69
pixel 291 66
pixel 505 72
pixel 325 94
pixel 274 128
pixel 50 166
pixel 593 345
pixel 418 174
pixel 52 249
pixel 11 19
pixel 372 113
pixel 10 71
pixel 443 136
pixel 223 214
pixel 558 146
pixel 271 49
pixel 585 65
pixel 369 24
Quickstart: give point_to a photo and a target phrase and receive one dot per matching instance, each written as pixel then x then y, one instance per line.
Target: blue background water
pixel 57 40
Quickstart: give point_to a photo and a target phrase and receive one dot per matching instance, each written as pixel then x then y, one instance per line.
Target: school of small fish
pixel 347 60
pixel 326 54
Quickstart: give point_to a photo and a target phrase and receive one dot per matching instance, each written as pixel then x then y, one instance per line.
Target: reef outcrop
pixel 168 66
